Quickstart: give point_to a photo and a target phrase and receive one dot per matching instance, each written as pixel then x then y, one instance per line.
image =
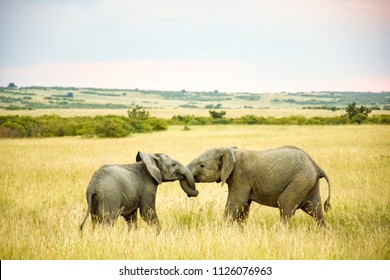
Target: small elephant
pixel 116 190
pixel 285 177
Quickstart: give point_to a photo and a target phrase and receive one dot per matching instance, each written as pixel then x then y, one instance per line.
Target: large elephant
pixel 116 190
pixel 285 177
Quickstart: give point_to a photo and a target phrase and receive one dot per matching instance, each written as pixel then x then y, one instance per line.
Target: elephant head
pixel 165 169
pixel 213 165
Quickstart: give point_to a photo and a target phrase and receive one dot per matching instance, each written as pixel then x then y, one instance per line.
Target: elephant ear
pixel 226 162
pixel 151 165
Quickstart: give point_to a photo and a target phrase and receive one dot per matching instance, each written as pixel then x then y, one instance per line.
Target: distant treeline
pixel 292 120
pixel 30 98
pixel 139 121
pixel 54 126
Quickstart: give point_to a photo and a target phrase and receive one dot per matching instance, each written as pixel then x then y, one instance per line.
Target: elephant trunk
pixel 188 183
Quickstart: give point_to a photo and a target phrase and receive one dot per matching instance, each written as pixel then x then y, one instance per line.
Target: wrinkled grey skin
pixel 119 190
pixel 285 177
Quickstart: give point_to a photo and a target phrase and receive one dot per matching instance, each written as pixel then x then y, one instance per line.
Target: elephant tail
pixel 327 205
pixel 89 200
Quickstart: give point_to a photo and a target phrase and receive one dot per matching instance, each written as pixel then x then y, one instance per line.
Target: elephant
pixel 116 189
pixel 284 177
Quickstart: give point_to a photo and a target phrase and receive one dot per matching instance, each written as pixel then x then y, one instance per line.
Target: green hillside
pixel 30 98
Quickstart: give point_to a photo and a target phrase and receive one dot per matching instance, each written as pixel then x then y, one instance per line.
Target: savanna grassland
pixel 43 185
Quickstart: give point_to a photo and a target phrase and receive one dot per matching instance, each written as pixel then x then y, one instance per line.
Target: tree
pixel 12 85
pixel 359 118
pixel 216 114
pixel 352 110
pixel 138 113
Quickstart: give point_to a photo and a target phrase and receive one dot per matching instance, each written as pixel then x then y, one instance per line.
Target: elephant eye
pixel 202 165
pixel 173 164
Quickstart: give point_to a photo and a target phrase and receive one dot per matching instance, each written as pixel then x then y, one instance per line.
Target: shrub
pixel 221 121
pixel 23 126
pixel 216 114
pixel 112 127
pixel 120 126
pixel 359 118
pixel 379 119
pixel 251 119
pixel 352 110
pixel 157 124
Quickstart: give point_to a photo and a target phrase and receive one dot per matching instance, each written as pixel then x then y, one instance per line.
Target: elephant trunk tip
pixel 194 193
pixel 190 191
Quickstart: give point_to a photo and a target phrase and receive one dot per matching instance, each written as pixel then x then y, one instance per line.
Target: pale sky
pixel 231 46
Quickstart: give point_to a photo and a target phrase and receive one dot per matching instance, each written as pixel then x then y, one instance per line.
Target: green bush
pixel 55 126
pixel 216 114
pixel 121 126
pixel 110 127
pixel 251 119
pixel 359 118
pixel 157 124
pixel 20 126
pixel 379 119
pixel 353 110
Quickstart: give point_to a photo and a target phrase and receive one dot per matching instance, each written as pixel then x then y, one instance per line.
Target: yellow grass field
pixel 43 184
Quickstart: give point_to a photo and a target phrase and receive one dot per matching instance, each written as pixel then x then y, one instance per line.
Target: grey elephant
pixel 119 190
pixel 285 177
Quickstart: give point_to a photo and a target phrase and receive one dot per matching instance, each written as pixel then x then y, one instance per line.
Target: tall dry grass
pixel 43 184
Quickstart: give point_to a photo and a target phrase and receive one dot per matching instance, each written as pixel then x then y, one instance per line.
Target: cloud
pixel 145 74
pixel 195 75
pixel 256 45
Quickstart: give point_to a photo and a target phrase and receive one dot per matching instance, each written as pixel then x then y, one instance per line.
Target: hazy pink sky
pixel 256 46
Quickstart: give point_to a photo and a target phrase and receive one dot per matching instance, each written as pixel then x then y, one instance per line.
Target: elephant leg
pixel 104 211
pixel 101 215
pixel 149 215
pixel 95 220
pixel 237 206
pixel 109 213
pixel 289 200
pixel 131 219
pixel 245 213
pixel 110 217
pixel 95 212
pixel 313 206
pixel 148 211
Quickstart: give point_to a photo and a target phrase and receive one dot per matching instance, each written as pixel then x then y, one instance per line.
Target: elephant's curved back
pixel 113 175
pixel 115 184
pixel 286 162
